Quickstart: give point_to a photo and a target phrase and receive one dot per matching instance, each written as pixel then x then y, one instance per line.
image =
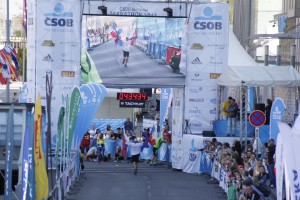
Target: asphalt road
pixel 141 71
pixel 116 181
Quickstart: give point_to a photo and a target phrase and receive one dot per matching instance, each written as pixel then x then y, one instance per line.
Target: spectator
pixel 15 98
pixel 100 147
pixel 232 114
pixel 225 107
pixel 92 154
pixel 128 126
pixel 231 191
pixel 248 168
pixel 253 160
pixel 249 194
pixel 93 136
pixel 85 142
pixel 270 163
pixel 268 111
pixel 262 177
pixel 118 155
pixel 157 145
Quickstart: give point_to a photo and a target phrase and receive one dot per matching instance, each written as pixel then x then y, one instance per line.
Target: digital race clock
pixel 132 96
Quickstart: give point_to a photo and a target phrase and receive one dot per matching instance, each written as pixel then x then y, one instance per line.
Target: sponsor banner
pixel 57 50
pixel 31 49
pixel 74 108
pixel 190 154
pixel 25 162
pixel 291 142
pixel 277 111
pixel 41 177
pixel 132 104
pixel 177 121
pixel 200 109
pixel 92 96
pixel 207 52
pixel 279 165
pixel 59 139
pixel 147 9
pixel 165 103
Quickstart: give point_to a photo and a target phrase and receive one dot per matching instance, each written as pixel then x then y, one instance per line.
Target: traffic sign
pixel 257 118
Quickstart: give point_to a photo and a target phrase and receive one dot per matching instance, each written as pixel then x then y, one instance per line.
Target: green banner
pixel 88 71
pixel 60 129
pixel 74 108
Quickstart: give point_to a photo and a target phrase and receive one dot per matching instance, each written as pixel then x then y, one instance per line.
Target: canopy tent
pixel 260 76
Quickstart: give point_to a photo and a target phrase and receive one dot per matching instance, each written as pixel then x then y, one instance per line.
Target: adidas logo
pixel 196 61
pixel 48 58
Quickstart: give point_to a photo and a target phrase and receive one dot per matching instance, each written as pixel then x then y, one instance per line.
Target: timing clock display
pixel 132 96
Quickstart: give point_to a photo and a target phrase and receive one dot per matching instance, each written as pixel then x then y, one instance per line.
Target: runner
pixel 135 153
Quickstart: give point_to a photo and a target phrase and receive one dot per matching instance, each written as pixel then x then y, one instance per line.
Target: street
pixel 116 181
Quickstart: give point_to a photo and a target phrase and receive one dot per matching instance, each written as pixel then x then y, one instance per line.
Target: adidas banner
pixel 207 57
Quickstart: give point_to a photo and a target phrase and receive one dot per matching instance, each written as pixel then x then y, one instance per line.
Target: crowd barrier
pixel 160 51
pixel 67 177
pixel 95 40
pixel 215 170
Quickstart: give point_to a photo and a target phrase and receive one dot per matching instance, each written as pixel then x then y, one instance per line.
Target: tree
pixel 20 60
pixel 17 33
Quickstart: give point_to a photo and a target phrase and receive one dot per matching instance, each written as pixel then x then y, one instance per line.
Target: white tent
pixel 260 76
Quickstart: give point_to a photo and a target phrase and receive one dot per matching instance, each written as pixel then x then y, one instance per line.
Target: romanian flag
pixel 41 177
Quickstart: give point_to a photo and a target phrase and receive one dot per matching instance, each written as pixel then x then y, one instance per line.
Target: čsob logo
pixel 57 18
pixel 193 150
pixel 208 21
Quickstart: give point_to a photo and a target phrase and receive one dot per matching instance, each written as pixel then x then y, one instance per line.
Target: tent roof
pixel 237 55
pixel 259 76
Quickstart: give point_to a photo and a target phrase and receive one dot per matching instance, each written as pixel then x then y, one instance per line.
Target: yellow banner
pixel 41 177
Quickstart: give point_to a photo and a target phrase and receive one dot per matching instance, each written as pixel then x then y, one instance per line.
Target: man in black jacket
pixel 232 114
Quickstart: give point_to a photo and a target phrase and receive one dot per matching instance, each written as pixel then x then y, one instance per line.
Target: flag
pixel 60 128
pixel 41 177
pixel 25 14
pixel 74 108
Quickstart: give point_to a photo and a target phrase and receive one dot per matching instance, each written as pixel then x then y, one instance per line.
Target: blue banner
pixel 92 95
pixel 282 23
pixel 25 164
pixel 276 116
pixel 31 175
pixel 165 101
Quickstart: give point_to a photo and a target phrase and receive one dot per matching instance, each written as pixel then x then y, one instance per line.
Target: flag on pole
pixel 41 177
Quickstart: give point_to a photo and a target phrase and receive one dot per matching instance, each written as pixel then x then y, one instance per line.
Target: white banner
pixel 31 48
pixel 207 57
pixel 291 141
pixel 279 165
pixel 177 121
pixel 148 9
pixel 58 51
pixel 190 154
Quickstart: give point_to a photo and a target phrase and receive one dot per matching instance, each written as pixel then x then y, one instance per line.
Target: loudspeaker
pixel 260 106
pixel 148 91
pixel 208 134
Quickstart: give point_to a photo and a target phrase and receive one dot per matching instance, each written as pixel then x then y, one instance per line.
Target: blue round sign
pixel 257 118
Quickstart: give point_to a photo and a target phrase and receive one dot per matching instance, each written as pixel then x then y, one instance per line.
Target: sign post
pixel 257 118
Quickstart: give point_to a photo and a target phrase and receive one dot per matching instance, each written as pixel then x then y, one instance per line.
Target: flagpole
pixel 7 43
